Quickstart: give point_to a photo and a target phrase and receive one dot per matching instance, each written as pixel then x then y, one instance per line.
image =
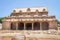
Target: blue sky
pixel 6 6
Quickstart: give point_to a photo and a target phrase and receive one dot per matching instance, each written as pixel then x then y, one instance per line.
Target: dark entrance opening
pixel 36 26
pixel 45 26
pixel 13 26
pixel 20 26
pixel 28 26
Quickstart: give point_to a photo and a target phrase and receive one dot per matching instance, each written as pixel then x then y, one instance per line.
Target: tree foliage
pixel 58 22
pixel 1 20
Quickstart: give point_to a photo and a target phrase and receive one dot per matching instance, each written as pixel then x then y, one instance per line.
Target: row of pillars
pixel 40 26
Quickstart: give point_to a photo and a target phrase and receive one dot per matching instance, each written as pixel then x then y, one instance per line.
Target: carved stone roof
pixel 40 9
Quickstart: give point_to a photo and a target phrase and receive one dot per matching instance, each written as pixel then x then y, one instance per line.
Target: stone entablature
pixel 32 18
pixel 51 17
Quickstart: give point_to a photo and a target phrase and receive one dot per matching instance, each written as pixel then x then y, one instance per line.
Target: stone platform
pixel 30 35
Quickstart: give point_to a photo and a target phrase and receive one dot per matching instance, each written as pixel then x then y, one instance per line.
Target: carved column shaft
pixel 24 26
pixel 32 26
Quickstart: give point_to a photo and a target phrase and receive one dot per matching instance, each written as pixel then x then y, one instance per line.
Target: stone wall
pixel 6 25
pixel 53 25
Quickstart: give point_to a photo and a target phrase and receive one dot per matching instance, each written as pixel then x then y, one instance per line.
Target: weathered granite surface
pixel 27 35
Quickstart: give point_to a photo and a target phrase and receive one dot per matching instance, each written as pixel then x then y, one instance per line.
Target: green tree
pixel 58 22
pixel 1 20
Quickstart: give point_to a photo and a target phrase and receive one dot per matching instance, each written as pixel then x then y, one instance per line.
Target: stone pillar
pixel 24 26
pixel 40 25
pixel 32 26
pixel 17 26
pixel 50 25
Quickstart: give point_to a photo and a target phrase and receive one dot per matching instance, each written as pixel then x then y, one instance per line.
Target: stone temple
pixel 28 24
pixel 30 19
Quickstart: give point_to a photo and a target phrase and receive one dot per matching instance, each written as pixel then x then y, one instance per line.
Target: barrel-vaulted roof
pixel 40 9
